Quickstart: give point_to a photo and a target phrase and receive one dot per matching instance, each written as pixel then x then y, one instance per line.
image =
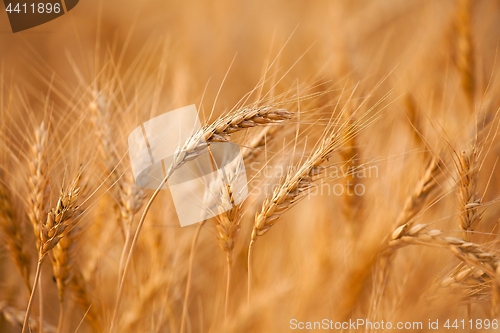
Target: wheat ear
pixel 425 186
pixel 414 204
pixel 470 253
pixel 69 278
pixel 353 202
pixel 295 185
pixel 14 235
pixel 465 54
pixel 38 183
pixel 228 226
pixel 59 222
pixel 468 199
pixel 218 131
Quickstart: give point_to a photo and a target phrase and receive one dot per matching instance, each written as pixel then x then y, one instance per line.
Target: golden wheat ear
pixel 38 180
pixel 58 224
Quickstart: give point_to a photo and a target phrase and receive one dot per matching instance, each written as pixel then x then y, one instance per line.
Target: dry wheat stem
pixel 189 275
pixel 218 131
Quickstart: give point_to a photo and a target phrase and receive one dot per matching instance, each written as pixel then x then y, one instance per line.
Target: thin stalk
pixel 249 268
pixel 132 245
pixel 228 285
pixel 128 237
pixel 40 302
pixel 190 271
pixel 191 255
pixel 33 291
pixel 61 316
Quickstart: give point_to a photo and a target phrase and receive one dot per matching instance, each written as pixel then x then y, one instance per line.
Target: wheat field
pixel 369 135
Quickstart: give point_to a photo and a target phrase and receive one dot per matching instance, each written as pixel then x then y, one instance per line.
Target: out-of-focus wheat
pixel 13 235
